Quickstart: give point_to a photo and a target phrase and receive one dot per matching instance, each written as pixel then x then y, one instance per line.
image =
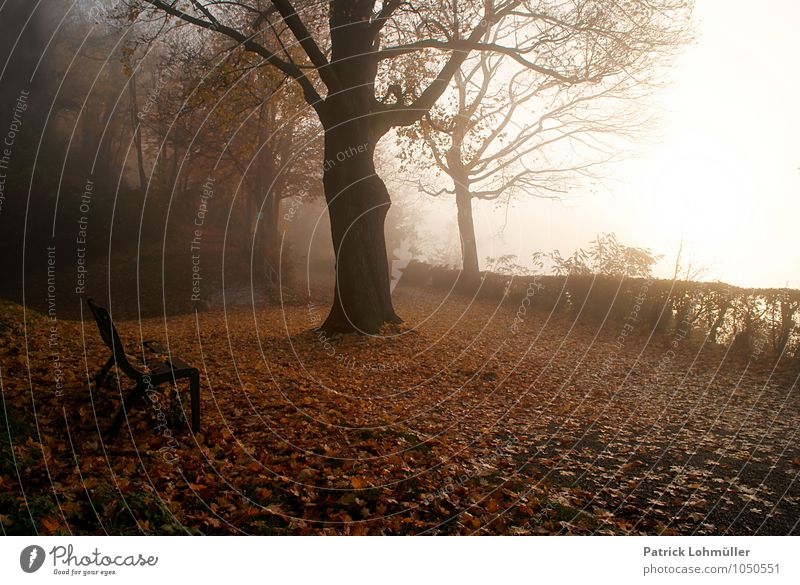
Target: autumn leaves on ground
pixel 464 420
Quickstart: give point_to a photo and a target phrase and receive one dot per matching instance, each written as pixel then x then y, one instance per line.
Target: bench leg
pixel 130 401
pixel 100 378
pixel 194 389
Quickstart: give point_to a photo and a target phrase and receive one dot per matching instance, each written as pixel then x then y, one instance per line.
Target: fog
pixel 715 177
pixel 721 173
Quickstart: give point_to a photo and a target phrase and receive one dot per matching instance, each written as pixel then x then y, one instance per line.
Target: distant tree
pixel 505 129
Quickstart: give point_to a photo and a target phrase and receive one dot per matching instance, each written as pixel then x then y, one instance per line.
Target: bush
pixel 755 321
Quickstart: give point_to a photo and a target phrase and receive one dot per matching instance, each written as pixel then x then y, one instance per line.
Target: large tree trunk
pixel 357 198
pixel 470 272
pixel 358 202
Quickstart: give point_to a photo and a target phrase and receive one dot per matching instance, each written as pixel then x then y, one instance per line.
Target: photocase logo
pixel 31 558
pixel 402 257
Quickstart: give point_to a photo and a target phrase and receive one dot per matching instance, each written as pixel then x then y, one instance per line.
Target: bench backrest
pixel 111 338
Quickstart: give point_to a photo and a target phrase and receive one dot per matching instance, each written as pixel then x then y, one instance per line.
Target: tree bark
pixel 358 202
pixel 470 270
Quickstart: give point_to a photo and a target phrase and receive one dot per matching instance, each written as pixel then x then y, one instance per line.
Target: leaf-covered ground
pixel 468 419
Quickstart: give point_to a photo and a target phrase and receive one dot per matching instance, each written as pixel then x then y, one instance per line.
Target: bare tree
pixel 371 68
pixel 504 129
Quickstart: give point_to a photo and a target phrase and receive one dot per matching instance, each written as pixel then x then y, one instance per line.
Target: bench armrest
pixel 174 362
pixel 154 347
pixel 178 364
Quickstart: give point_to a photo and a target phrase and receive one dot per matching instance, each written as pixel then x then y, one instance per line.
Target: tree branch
pixel 387 9
pixel 307 42
pixel 309 92
pixel 400 115
pixel 472 44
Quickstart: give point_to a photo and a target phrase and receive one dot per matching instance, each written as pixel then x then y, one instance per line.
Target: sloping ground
pixel 470 418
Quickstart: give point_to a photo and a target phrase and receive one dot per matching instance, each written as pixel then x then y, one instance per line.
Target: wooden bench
pixel 168 370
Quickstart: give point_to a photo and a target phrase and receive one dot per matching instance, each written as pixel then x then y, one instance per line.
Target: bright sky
pixel 724 175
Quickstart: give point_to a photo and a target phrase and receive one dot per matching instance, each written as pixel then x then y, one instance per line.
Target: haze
pixel 722 175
